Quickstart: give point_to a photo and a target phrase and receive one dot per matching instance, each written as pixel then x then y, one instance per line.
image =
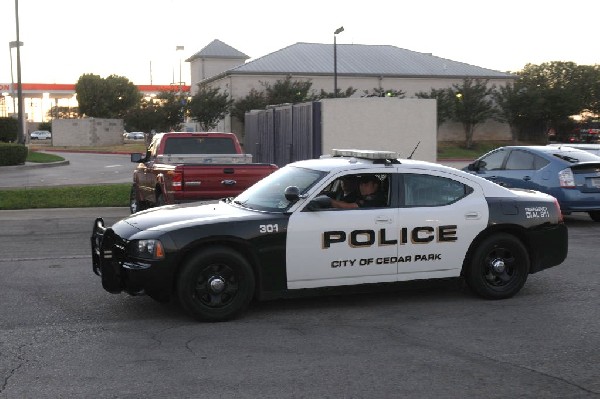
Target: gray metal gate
pixel 284 133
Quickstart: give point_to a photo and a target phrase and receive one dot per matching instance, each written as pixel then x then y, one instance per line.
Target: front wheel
pixel 135 205
pixel 595 215
pixel 215 284
pixel 499 267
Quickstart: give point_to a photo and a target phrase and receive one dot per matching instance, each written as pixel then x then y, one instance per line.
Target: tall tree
pixel 511 100
pixel 472 105
pixel 444 103
pixel 105 98
pixel 208 106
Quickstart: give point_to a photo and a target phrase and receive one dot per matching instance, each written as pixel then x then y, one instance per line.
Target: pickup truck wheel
pixel 135 205
pixel 160 199
pixel 499 267
pixel 215 284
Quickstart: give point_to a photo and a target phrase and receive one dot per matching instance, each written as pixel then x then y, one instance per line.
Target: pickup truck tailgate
pixel 218 181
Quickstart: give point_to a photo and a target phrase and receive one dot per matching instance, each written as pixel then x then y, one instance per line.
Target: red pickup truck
pixel 183 167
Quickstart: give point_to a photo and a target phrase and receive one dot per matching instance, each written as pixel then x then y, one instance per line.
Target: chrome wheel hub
pixel 498 266
pixel 217 285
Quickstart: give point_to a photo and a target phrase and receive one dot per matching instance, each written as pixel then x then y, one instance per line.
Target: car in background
pixel 569 174
pixel 134 136
pixel 40 135
pixel 592 148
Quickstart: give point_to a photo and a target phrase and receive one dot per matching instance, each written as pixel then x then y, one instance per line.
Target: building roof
pixel 218 49
pixel 361 60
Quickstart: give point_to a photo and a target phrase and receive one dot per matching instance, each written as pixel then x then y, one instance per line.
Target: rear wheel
pixel 595 215
pixel 499 267
pixel 215 284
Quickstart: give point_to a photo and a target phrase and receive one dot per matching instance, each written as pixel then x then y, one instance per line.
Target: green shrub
pixel 12 154
pixel 9 130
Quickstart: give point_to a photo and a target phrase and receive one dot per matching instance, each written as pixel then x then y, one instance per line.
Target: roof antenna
pixel 413 151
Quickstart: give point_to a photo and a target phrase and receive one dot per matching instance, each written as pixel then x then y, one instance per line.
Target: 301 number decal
pixel 268 228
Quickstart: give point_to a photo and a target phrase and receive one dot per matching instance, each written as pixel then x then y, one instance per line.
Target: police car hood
pixel 170 217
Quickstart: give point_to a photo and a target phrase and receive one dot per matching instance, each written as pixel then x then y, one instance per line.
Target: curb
pixel 34 165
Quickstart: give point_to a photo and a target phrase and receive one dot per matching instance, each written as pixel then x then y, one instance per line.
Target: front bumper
pixel 120 273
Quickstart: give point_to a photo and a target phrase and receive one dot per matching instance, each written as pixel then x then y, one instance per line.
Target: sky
pixel 137 39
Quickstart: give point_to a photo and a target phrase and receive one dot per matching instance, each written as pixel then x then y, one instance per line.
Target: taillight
pixel 560 215
pixel 566 179
pixel 177 181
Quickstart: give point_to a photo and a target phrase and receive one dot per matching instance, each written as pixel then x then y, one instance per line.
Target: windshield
pixel 268 193
pixel 576 156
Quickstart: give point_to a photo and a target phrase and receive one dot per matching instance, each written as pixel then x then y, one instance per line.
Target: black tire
pixel 499 267
pixel 595 215
pixel 135 205
pixel 215 284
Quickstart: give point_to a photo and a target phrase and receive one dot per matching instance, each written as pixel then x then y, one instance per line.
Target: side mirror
pixel 137 157
pixel 474 166
pixel 292 193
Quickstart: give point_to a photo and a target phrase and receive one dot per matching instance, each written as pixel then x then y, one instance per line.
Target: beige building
pixel 363 67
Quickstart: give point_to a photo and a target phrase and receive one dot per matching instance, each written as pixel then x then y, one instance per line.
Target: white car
pixel 40 135
pixel 282 237
pixel 134 136
pixel 589 147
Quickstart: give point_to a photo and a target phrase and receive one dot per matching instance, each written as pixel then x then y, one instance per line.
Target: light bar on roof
pixel 366 154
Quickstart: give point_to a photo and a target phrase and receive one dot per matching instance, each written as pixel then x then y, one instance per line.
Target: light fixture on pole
pixel 178 48
pixel 12 45
pixel 337 31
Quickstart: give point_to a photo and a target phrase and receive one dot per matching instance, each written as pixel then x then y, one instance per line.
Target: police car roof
pixel 328 163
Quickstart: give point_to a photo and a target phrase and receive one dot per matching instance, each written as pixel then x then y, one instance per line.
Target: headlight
pixel 147 249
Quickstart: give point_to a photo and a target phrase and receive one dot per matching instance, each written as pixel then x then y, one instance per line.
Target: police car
pixel 284 236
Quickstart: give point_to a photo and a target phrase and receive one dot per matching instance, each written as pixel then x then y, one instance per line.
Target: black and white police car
pixel 282 236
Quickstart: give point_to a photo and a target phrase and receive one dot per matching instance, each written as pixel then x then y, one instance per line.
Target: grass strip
pixel 66 197
pixel 42 157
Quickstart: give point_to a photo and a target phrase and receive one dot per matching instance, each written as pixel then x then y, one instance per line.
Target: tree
pixel 287 91
pixel 254 100
pixel 472 105
pixel 163 113
pixel 556 91
pixel 349 92
pixel 208 106
pixel 57 112
pixel 380 92
pixel 511 100
pixel 106 98
pixel 444 103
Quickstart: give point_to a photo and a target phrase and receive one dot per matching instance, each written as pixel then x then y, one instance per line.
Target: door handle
pixel 472 216
pixel 526 178
pixel 382 219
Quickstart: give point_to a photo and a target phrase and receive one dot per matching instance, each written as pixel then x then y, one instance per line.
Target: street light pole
pixel 337 31
pixel 21 136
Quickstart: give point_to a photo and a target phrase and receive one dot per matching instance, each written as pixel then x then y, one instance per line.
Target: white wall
pixel 387 124
pixel 87 132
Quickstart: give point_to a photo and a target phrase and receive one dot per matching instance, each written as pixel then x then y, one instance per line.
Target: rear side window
pixel 426 190
pixel 524 160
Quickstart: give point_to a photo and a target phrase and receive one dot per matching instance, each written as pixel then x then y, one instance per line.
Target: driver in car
pixel 370 196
